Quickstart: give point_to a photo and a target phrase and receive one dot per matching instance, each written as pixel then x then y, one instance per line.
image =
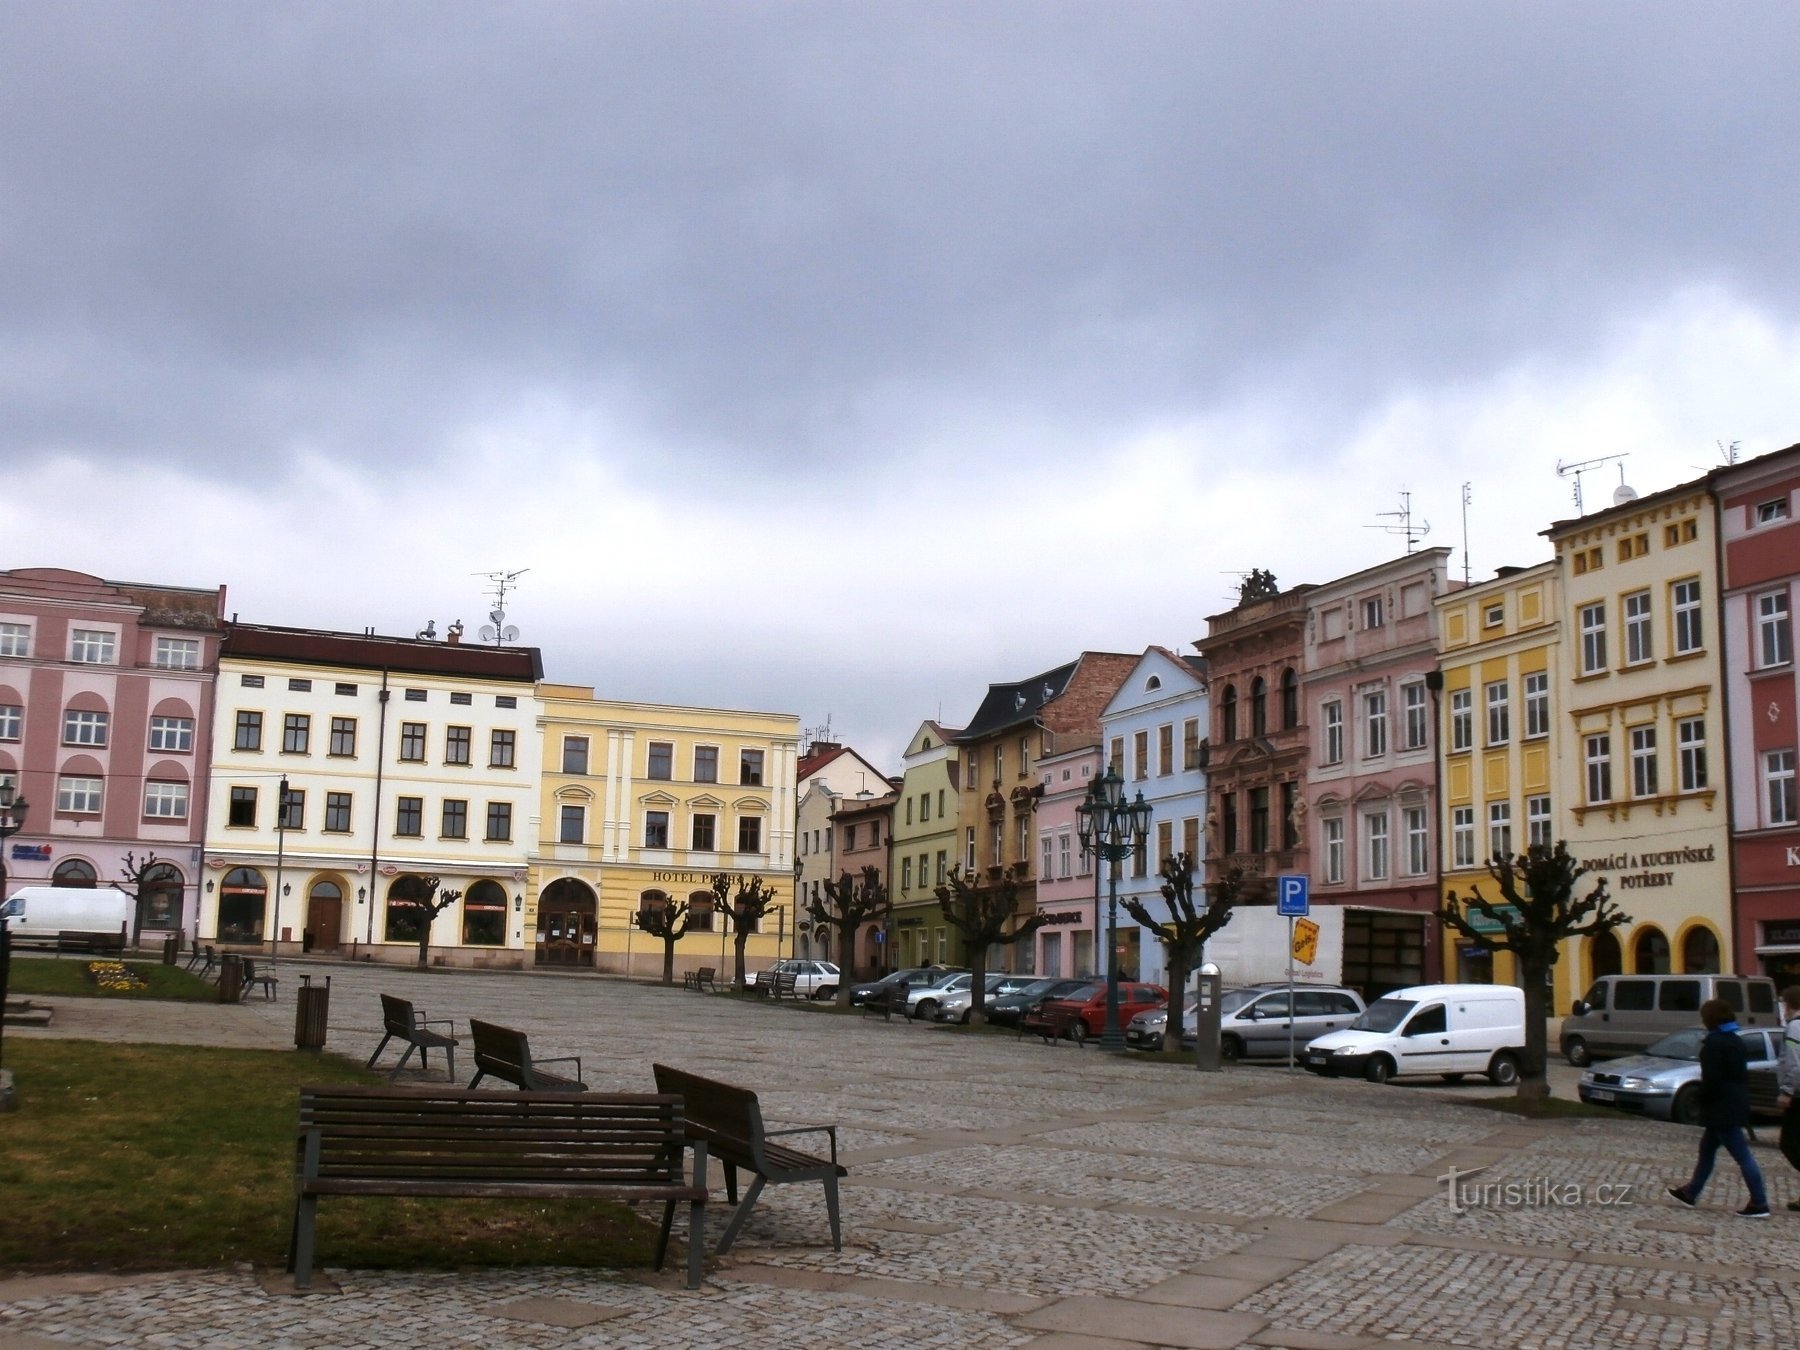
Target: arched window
pixel 1650 953
pixel 1699 952
pixel 74 872
pixel 1290 699
pixel 243 900
pixel 160 892
pixel 406 909
pixel 700 911
pixel 1604 956
pixel 1228 714
pixel 484 915
pixel 1259 707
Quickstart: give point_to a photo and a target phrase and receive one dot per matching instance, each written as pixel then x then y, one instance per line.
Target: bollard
pixel 231 979
pixel 314 1008
pixel 1208 986
pixel 171 948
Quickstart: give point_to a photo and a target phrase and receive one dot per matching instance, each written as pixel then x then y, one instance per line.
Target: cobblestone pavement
pixel 1007 1193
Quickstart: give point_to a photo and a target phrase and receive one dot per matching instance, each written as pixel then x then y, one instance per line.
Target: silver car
pixel 922 1001
pixel 812 979
pixel 1664 1081
pixel 957 1006
pixel 1253 1022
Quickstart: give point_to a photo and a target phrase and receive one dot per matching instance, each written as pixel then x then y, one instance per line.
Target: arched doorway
pixel 1650 953
pixel 75 872
pixel 565 931
pixel 1604 956
pixel 243 902
pixel 159 895
pixel 324 917
pixel 1699 952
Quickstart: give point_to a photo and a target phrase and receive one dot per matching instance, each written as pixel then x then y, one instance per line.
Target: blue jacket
pixel 1724 1079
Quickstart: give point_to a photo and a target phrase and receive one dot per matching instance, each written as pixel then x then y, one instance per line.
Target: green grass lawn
pixel 151 1157
pixel 67 977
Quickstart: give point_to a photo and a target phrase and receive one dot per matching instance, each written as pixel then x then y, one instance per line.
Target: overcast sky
pixel 838 359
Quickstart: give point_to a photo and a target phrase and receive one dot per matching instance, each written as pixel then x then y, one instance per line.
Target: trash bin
pixel 171 948
pixel 311 1016
pixel 231 979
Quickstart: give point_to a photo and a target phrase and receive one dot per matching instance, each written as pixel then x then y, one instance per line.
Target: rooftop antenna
pixel 1584 466
pixel 1728 454
pixel 1465 505
pixel 1412 533
pixel 496 630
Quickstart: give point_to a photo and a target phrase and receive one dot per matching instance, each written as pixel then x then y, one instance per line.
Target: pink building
pixel 863 830
pixel 1065 946
pixel 106 697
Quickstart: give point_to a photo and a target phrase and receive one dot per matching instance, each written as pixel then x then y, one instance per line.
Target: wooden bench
pixel 728 1121
pixel 203 957
pixel 778 985
pixel 1052 1024
pixel 252 980
pixel 399 1019
pixel 887 1002
pixel 501 1052
pixel 94 943
pixel 450 1142
pixel 702 980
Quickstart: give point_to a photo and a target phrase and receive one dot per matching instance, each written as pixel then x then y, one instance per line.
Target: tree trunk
pixel 1534 1084
pixel 668 960
pixel 739 942
pixel 1180 963
pixel 425 946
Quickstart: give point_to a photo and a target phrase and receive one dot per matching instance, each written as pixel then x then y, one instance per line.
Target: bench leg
pixel 696 1239
pixel 831 1211
pixel 304 1211
pixel 730 1181
pixel 403 1058
pixel 737 1219
pixel 662 1234
pixel 378 1049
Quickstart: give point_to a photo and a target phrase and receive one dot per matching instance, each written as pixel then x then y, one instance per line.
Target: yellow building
pixel 643 803
pixel 1641 760
pixel 928 842
pixel 1500 658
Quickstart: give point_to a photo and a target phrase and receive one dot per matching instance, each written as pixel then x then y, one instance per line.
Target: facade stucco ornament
pixel 1774 713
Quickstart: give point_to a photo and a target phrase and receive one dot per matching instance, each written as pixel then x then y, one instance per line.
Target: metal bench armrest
pixel 559 1059
pixel 830 1130
pixel 435 1022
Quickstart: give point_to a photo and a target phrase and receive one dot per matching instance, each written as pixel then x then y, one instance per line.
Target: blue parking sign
pixel 1292 899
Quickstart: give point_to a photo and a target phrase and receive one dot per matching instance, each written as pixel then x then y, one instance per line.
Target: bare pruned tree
pixel 748 907
pixel 1190 923
pixel 668 921
pixel 986 913
pixel 423 892
pixel 846 905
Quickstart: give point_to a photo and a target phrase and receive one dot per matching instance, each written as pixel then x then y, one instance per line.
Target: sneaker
pixel 1680 1193
pixel 1754 1212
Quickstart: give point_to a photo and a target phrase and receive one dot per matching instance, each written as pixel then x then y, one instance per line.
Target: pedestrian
pixel 1724 1109
pixel 1787 1081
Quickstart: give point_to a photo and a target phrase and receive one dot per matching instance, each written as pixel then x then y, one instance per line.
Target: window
pixel 462 699
pixel 1538 828
pixel 300 686
pixel 174 653
pixel 1493 615
pixel 1462 836
pixel 12 722
pixel 1767 513
pixel 412 742
pixel 248 735
pixel 750 771
pixel 1637 628
pixel 1599 768
pixel 1537 704
pixel 91 646
pixel 1190 744
pixel 293 810
pixel 251 681
pixel 906 873
pixel 337 812
pixel 924 807
pixel 1643 761
pixel 1062 855
pixel 1690 744
pixel 1000 764
pixel 501 745
pixel 343 736
pixel 1593 639
pixel 1259 820
pixel 409 816
pixel 1684 603
pixel 849 838
pixel 1633 546
pixel 1375 845
pixel 1228 830
pixel 1499 713
pixel 1047 865
pixel 79 796
pixel 15 639
pixel 706 763
pixel 1165 749
pixel 453 821
pixel 656 829
pixel 1115 757
pixel 1500 829
pixel 296 733
pixel 85 728
pixel 1412 698
pixel 1333 827
pixel 704 833
pixel 167 733
pixel 348 690
pixel 1332 749
pixel 499 822
pixel 1140 754
pixel 940 866
pixel 969 849
pixel 243 807
pixel 1375 723
pixel 506 700
pixel 1418 840
pixel 1586 560
pixel 1774 636
pixel 415 695
pixel 1681 532
pixel 1372 612
pixel 457 744
pixel 1228 714
pixel 572 826
pixel 1778 787
pixel 166 801
pixel 750 834
pixel 1259 707
pixel 1290 699
pixel 909 810
pixel 660 765
pixel 940 804
pixel 1462 719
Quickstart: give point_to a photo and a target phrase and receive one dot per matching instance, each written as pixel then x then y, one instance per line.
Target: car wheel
pixel 1452 1077
pixel 1685 1109
pixel 1575 1050
pixel 1231 1049
pixel 1504 1071
pixel 1078 1031
pixel 927 1009
pixel 1380 1069
pixel 828 991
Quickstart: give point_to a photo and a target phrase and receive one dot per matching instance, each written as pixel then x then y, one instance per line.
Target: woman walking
pixel 1724 1109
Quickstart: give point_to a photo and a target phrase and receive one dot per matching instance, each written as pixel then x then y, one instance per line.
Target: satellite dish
pixel 487 633
pixel 509 635
pixel 1624 493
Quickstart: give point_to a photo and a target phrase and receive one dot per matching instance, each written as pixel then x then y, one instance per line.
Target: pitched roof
pixel 1016 702
pixel 368 651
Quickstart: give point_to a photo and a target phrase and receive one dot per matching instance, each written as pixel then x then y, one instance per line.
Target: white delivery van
pixel 1444 1029
pixel 39 913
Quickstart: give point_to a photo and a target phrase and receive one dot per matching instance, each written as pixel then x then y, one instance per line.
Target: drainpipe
pixel 375 826
pixel 1434 683
pixel 1728 959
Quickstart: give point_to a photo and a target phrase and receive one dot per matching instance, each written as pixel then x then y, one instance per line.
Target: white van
pixel 39 913
pixel 1444 1029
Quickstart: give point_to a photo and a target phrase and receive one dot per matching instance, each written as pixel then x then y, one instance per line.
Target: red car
pixel 1090 1012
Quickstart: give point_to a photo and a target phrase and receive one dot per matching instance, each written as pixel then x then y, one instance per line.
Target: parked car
pixel 957 1007
pixel 1664 1081
pixel 1007 1009
pixel 861 993
pixel 922 1001
pixel 1625 1014
pixel 1447 1029
pixel 812 979
pixel 1148 1029
pixel 1090 1012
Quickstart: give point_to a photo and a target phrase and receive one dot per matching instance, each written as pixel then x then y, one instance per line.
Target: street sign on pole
pixel 1292 897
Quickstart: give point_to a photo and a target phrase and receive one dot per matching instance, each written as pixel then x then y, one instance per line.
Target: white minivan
pixel 1444 1029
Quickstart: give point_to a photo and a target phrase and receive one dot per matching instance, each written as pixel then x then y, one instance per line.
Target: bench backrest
pixel 785 981
pixel 501 1051
pixel 396 1016
pixel 442 1134
pixel 714 1109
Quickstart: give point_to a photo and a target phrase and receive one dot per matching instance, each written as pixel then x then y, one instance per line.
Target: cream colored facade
pixel 643 801
pixel 1641 765
pixel 1501 734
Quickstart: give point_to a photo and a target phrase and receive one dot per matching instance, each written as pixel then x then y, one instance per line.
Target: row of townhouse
pixel 1386 733
pixel 298 788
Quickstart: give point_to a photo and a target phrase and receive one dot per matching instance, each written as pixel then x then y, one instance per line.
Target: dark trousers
pixel 1790 1133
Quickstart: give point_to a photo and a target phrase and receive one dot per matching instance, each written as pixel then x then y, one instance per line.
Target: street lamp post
pixel 1112 828
pixel 12 820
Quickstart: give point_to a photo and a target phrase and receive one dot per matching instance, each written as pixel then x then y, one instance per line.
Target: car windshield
pixel 1082 992
pixel 1384 1014
pixel 1035 987
pixel 1683 1044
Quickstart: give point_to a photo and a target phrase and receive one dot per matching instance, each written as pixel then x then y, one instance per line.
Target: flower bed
pixel 115 976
